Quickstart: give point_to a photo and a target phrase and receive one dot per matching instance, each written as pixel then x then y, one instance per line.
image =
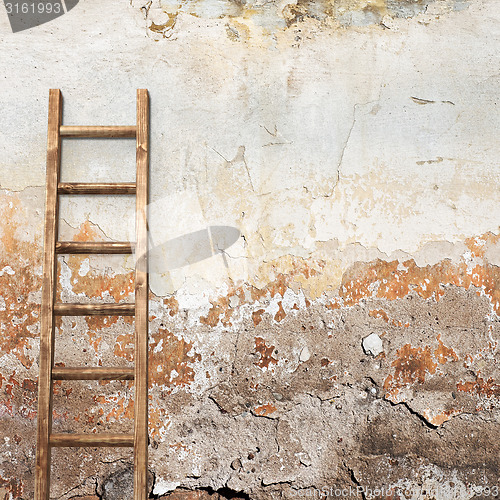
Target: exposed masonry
pixel 265 391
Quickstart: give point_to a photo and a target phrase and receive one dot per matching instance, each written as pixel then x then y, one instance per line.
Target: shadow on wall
pixel 26 14
pixel 192 248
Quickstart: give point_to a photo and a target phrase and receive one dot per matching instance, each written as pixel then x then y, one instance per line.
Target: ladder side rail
pixel 44 424
pixel 141 301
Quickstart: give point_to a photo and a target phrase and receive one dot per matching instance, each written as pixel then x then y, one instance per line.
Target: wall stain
pixel 481 387
pixel 394 280
pixel 257 316
pixel 273 16
pixel 280 315
pixel 97 284
pixel 172 304
pixel 415 366
pixel 19 315
pixel 380 313
pixel 170 360
pixel 411 366
pixel 443 353
pixel 265 410
pixel 221 311
pixel 266 354
pixel 173 361
pixel 122 407
pixel 166 28
pixel 13 486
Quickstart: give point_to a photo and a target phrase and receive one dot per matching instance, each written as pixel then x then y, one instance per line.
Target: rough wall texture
pixel 325 280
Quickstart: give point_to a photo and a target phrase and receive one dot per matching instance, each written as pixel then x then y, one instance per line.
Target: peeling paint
pixel 273 16
pixel 21 278
pixel 266 354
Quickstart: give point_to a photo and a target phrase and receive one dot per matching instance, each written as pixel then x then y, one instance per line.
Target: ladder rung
pixel 96 188
pixel 102 131
pixel 62 309
pixel 87 247
pixel 113 440
pixel 96 373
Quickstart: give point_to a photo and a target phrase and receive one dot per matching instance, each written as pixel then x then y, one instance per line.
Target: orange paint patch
pixel 171 360
pixel 334 304
pixel 18 262
pixel 87 232
pixel 172 304
pixel 124 346
pixel 221 310
pixel 158 422
pixel 481 387
pixel 379 313
pixel 442 417
pixel 16 402
pixel 179 446
pixel 97 284
pixel 479 244
pixel 113 408
pixel 411 366
pixel 443 353
pixel 257 316
pixel 377 279
pixel 280 315
pixel 13 486
pixel 264 410
pixel 394 280
pixel 414 365
pixel 266 353
pixel 124 409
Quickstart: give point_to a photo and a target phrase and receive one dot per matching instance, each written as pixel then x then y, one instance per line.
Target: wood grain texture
pixel 94 309
pixel 141 301
pixel 44 424
pixel 108 440
pixel 94 373
pixel 50 309
pixel 98 132
pixel 96 188
pixel 95 247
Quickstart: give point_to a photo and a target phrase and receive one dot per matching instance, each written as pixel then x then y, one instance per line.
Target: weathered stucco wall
pixel 325 280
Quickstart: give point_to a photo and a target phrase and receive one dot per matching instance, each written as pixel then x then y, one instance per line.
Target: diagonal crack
pixel 346 142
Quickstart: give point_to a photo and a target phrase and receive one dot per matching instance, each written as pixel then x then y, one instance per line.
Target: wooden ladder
pixel 46 439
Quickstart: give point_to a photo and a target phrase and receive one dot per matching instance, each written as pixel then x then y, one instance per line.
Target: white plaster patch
pixel 438 484
pixel 305 355
pixel 159 347
pixel 84 268
pixel 7 270
pixel 373 344
pixel 290 298
pixel 163 486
